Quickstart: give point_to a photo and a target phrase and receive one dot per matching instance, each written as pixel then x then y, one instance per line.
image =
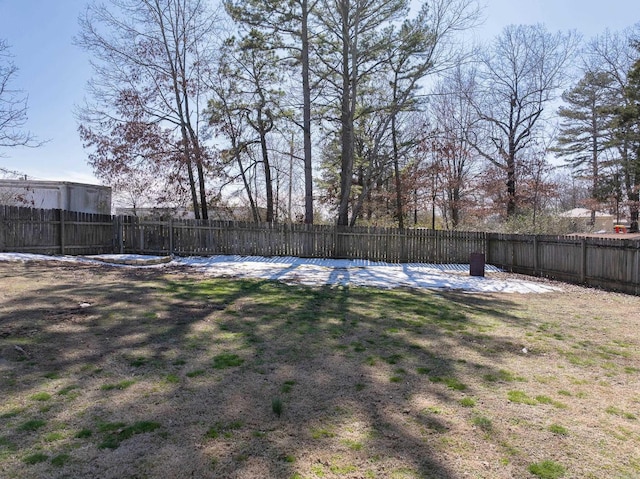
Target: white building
pixel 582 219
pixel 62 195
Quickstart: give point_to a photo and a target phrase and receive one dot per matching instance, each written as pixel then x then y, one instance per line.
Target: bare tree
pixel 13 105
pixel 424 45
pixel 157 52
pixel 454 118
pixel 517 76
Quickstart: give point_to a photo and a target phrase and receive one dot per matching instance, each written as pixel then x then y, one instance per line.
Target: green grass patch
pixel 321 433
pixel 519 397
pixel 6 444
pixel 467 402
pixel 32 425
pixel 619 412
pixel 277 406
pixel 83 434
pixel 223 429
pixel 547 400
pixel 353 445
pixel 41 396
pixel 287 386
pixel 35 458
pixel 13 413
pixel 451 383
pixel 67 389
pixel 482 422
pixel 138 362
pixel 227 360
pixel 124 384
pixel 502 376
pixel 116 432
pixel 195 373
pixel 393 358
pixel 557 429
pixel 60 460
pixel 342 469
pixel 53 436
pixel 547 470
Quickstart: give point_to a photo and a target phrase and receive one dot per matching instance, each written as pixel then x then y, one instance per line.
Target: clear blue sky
pixel 53 72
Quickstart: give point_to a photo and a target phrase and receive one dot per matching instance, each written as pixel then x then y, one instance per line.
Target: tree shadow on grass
pixel 360 375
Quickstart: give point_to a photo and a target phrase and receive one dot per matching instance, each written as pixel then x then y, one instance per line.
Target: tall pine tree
pixel 585 131
pixel 628 123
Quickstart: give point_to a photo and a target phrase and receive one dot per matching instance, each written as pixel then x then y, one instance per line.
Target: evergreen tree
pixel 288 24
pixel 585 131
pixel 628 132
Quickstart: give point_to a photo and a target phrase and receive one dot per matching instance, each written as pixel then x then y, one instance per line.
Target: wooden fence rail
pixel 607 263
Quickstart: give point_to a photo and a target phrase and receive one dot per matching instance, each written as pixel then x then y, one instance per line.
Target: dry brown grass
pixel 113 373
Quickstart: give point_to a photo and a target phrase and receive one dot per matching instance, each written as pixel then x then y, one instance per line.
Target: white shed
pixel 63 195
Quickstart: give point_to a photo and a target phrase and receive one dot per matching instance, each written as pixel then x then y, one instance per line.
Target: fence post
pixel 403 245
pixel 583 260
pixel 535 255
pixel 4 210
pixel 62 232
pixel 170 236
pixel 487 247
pixel 120 233
pixel 141 236
pixel 636 269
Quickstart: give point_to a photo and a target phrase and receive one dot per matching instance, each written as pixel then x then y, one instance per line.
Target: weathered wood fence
pixel 197 237
pixel 607 263
pixel 31 230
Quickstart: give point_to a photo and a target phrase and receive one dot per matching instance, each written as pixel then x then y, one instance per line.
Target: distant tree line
pixel 358 112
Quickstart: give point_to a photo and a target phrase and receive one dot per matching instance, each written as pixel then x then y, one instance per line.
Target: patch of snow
pixel 316 271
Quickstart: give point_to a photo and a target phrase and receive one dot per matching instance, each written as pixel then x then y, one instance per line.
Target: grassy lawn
pixel 115 373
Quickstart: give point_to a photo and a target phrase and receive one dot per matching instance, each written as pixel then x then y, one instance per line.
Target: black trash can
pixel 476 264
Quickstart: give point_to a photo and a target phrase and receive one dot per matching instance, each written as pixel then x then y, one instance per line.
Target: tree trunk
pixel 396 166
pixel 346 121
pixel 262 130
pixel 306 113
pixel 192 181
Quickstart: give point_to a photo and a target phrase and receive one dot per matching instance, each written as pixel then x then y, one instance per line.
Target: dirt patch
pixel 110 372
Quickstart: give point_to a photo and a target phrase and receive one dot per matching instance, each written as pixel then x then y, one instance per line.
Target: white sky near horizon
pixel 53 72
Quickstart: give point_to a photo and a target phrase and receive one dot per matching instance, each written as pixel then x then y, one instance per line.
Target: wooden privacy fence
pixel 607 263
pixel 201 237
pixel 51 232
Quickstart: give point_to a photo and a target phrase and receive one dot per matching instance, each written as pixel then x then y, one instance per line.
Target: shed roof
pixel 584 213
